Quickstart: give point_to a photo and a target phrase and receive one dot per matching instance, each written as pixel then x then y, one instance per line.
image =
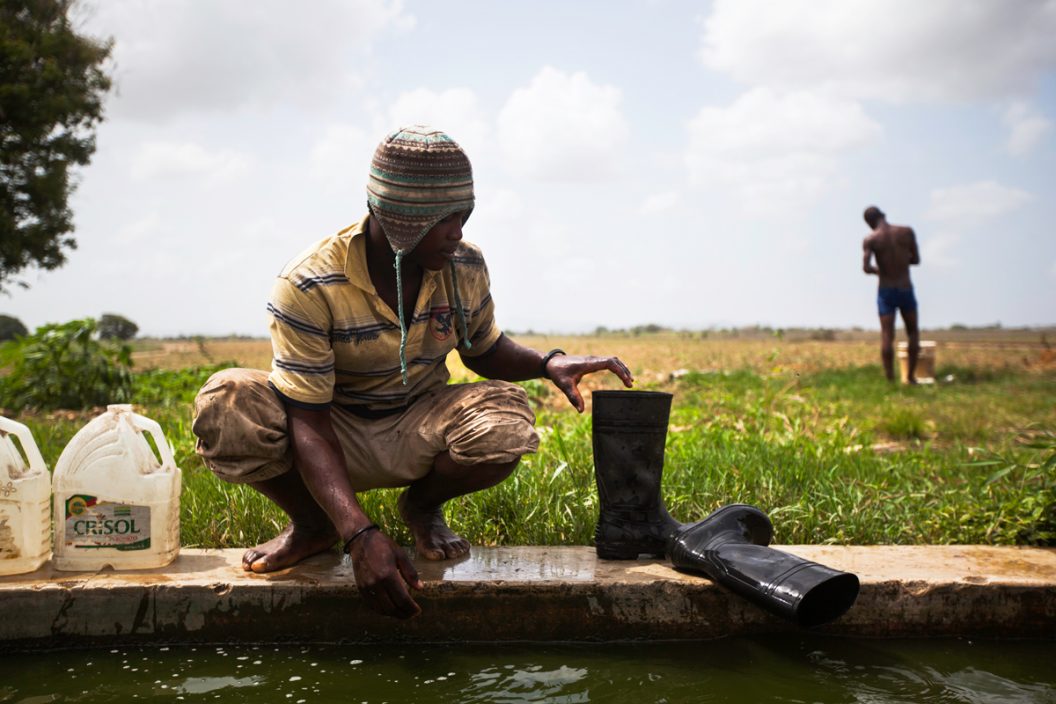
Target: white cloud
pixel 563 127
pixel 659 203
pixel 939 249
pixel 497 219
pixel 1026 128
pixel 776 149
pixel 500 205
pixel 340 158
pixel 974 201
pixel 889 49
pixel 138 230
pixel 179 160
pixel 455 111
pixel 173 57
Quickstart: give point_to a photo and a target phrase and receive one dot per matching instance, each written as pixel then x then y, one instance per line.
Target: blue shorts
pixel 888 300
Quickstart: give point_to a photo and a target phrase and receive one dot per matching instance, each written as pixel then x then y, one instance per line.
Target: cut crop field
pixel 663 353
pixel 655 359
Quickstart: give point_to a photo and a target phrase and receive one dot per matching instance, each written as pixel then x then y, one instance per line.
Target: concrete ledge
pixel 522 593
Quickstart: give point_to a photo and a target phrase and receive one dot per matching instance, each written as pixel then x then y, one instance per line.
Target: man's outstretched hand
pixel 383 574
pixel 566 371
pixel 513 362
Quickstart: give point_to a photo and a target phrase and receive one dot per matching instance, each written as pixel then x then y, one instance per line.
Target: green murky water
pixel 770 669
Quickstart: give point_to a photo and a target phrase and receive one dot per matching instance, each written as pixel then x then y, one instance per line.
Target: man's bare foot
pixel 433 540
pixel 287 548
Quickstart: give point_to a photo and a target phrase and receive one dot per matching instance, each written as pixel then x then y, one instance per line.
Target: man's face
pixel 439 244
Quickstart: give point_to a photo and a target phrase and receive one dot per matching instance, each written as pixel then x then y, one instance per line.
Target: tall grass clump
pixel 1021 486
pixel 837 456
pixel 904 423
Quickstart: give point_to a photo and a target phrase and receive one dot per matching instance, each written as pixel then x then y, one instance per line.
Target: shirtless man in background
pixel 895 250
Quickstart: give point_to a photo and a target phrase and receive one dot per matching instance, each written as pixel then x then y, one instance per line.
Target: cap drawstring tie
pixel 464 329
pixel 403 324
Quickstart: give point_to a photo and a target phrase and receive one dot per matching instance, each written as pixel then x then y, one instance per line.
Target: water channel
pixel 794 668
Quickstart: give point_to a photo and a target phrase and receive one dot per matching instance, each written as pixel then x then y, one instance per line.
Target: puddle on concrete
pixel 771 669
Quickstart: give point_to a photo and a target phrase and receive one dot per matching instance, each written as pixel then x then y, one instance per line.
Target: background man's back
pixel 895 249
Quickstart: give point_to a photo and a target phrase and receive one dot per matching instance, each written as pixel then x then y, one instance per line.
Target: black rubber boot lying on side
pixel 630 428
pixel 729 546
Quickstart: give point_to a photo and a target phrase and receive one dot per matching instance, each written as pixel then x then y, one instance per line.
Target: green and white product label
pixel 91 523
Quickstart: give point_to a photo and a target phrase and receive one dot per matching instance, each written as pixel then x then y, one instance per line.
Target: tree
pixel 51 98
pixel 10 328
pixel 116 327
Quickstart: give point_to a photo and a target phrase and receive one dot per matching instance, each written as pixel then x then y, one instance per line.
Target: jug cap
pixel 119 408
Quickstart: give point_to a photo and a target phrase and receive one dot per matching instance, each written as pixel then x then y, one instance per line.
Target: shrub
pixel 10 328
pixel 904 423
pixel 116 327
pixel 66 366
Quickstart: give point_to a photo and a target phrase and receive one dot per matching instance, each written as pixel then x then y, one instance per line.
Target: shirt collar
pixel 356 262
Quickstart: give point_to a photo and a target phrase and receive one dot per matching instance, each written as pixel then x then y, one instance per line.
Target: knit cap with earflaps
pixel 418 177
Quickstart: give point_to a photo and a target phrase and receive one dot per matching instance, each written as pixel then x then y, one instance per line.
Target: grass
pixel 832 452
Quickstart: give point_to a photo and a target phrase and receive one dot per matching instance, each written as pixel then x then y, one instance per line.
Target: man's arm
pixel 382 569
pixel 509 361
pixel 867 257
pixel 914 253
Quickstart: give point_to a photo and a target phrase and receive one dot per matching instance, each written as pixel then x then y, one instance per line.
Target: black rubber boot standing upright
pixel 630 428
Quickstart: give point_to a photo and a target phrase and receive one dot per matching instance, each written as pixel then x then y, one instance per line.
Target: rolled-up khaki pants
pixel 240 423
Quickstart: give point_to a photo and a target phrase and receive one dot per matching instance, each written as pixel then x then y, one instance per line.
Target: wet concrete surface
pixel 522 593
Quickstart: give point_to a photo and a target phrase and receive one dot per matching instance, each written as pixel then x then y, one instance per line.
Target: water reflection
pixel 933 671
pixel 764 669
pixel 515 565
pixel 201 685
pixel 531 684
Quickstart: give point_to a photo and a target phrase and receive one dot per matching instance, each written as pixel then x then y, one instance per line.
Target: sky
pixel 680 163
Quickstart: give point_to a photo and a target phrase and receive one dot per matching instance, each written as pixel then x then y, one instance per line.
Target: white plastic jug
pixel 25 493
pixel 115 504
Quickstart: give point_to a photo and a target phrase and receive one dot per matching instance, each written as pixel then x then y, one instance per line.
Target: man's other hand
pixel 383 574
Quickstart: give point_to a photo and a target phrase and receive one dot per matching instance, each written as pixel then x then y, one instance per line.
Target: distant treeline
pixel 749 332
pixel 196 338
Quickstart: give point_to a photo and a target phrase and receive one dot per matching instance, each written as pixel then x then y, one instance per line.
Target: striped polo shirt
pixel 334 340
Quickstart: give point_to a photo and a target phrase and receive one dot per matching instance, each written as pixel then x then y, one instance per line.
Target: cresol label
pixel 91 524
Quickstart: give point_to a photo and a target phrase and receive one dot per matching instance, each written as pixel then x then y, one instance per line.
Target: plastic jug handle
pixel 29 446
pixel 150 426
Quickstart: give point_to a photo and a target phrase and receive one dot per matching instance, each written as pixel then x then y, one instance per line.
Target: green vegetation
pixel 834 457
pixel 65 366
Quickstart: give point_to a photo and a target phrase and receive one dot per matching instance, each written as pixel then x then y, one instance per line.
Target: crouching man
pixel 358 399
